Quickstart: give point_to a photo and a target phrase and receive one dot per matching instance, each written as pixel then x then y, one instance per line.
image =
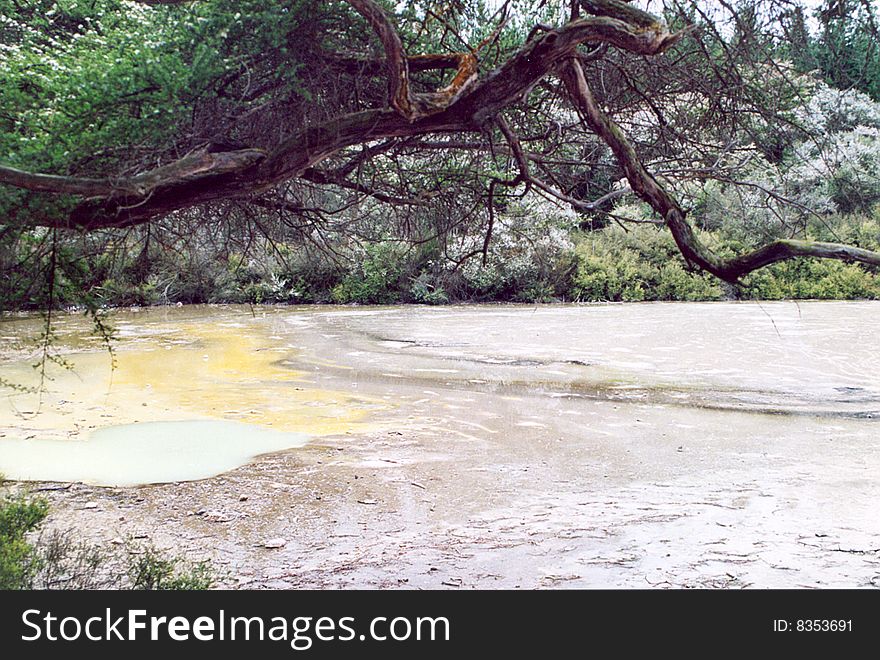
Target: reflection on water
pixel 330 370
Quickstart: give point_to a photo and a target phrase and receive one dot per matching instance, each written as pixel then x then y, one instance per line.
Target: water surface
pixel 527 372
pixel 148 452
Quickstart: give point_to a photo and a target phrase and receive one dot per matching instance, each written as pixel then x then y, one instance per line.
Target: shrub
pixel 530 259
pixel 114 293
pixel 426 291
pixel 19 561
pixel 58 560
pixel 609 275
pixel 813 279
pixel 155 572
pixel 642 264
pixel 376 277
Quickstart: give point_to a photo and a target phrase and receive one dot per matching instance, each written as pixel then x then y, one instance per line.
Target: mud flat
pixel 664 445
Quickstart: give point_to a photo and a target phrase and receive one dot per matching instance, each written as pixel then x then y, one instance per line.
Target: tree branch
pixel 620 10
pixel 788 249
pixel 332 178
pixel 651 191
pixel 525 175
pixel 464 106
pixel 195 165
pixel 395 59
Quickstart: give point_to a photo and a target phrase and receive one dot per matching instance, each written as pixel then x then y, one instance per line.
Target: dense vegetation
pixel 763 122
pixel 555 263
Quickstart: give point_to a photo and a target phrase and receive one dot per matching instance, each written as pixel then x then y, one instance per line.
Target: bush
pixel 19 561
pixel 58 560
pixel 813 279
pixel 536 255
pixel 310 274
pixel 156 572
pixel 642 264
pixel 426 291
pixel 531 259
pixel 113 293
pixel 609 275
pixel 376 278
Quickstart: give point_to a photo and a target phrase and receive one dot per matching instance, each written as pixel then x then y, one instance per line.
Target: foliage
pixel 529 260
pixel 640 264
pixel 530 257
pixel 763 133
pixel 58 560
pixel 834 167
pixel 846 167
pixel 426 292
pixel 79 77
pixel 19 559
pixel 643 264
pixel 807 279
pixel 846 48
pixel 156 572
pixel 375 277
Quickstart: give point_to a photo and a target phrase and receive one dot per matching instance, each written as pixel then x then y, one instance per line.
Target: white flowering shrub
pixel 845 167
pixel 832 110
pixel 531 255
pixel 833 168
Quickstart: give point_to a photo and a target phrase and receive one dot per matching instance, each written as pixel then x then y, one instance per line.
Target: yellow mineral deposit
pixel 188 399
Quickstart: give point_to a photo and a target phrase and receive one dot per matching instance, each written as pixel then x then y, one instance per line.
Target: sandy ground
pixel 422 510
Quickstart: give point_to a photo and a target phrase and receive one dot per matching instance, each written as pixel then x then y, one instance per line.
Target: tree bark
pixel 467 104
pixel 651 191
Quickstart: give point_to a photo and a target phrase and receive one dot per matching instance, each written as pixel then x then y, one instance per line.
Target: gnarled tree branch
pixel 177 188
pixel 651 191
pixel 411 105
pixel 195 165
pixel 395 59
pixel 621 10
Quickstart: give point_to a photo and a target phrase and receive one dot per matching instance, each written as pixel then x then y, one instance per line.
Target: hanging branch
pixel 468 104
pixel 650 190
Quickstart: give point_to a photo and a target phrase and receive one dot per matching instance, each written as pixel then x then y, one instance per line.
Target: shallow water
pixel 686 444
pixel 147 452
pixel 475 371
pixel 182 383
pixel 812 358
